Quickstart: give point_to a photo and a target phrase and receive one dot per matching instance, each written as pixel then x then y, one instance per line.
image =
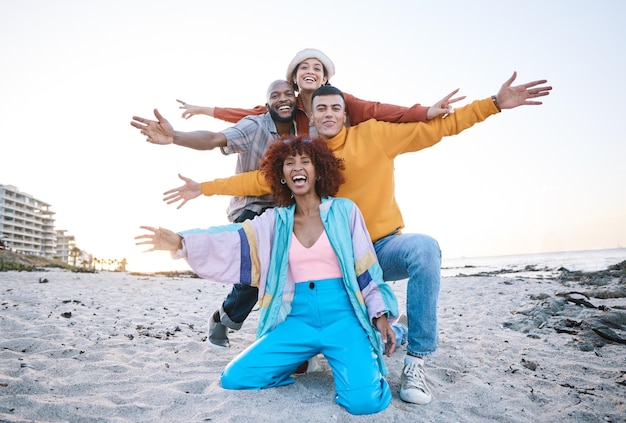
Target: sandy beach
pixel 116 347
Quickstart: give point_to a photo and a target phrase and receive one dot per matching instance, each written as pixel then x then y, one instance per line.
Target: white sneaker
pixel 414 387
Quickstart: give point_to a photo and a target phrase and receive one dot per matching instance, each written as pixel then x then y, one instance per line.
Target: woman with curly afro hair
pixel 321 289
pixel 324 161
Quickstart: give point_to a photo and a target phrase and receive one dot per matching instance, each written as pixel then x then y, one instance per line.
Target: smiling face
pixel 310 75
pixel 281 101
pixel 299 174
pixel 329 114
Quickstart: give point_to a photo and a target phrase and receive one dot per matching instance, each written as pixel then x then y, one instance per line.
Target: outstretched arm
pixel 234 115
pixel 159 239
pixel 228 114
pixel 510 97
pixel 507 98
pixel 191 110
pixel 157 131
pixel 160 131
pixel 247 184
pixel 362 110
pixel 183 193
pixel 416 137
pixel 443 106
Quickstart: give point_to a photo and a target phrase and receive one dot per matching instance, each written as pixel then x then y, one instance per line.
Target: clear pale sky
pixel 529 180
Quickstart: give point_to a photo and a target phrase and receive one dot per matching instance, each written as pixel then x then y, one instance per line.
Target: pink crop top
pixel 315 263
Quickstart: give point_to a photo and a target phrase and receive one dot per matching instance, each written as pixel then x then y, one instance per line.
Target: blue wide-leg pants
pixel 321 320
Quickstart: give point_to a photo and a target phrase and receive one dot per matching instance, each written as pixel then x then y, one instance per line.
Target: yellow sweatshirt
pixel 369 150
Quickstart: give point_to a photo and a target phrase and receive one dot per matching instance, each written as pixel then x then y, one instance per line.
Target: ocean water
pixel 543 265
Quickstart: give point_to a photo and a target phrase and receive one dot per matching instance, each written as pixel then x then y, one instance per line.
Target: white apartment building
pixel 26 223
pixel 65 243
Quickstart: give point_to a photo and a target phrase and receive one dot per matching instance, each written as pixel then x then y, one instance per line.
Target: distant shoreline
pixel 547 253
pixel 539 264
pixel 545 263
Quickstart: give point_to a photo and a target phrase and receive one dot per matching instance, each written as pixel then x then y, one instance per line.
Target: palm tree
pixel 88 264
pixel 75 252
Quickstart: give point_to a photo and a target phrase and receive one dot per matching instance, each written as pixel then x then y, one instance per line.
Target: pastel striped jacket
pixel 256 253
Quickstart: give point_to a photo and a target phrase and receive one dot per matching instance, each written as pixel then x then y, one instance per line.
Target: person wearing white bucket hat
pixel 310 69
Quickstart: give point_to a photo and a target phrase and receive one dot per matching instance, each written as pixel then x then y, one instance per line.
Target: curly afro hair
pixel 327 167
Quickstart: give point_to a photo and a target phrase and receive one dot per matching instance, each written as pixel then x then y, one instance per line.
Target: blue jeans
pixel 321 320
pixel 418 258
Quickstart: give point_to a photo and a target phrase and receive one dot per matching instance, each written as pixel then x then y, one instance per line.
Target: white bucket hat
pixel 311 53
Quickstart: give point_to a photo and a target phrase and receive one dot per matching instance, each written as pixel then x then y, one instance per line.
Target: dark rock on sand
pixel 589 311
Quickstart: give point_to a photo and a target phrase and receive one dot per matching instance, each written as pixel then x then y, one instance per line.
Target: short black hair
pixel 328 90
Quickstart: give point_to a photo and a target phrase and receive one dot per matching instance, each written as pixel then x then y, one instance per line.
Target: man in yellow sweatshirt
pixel 369 150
